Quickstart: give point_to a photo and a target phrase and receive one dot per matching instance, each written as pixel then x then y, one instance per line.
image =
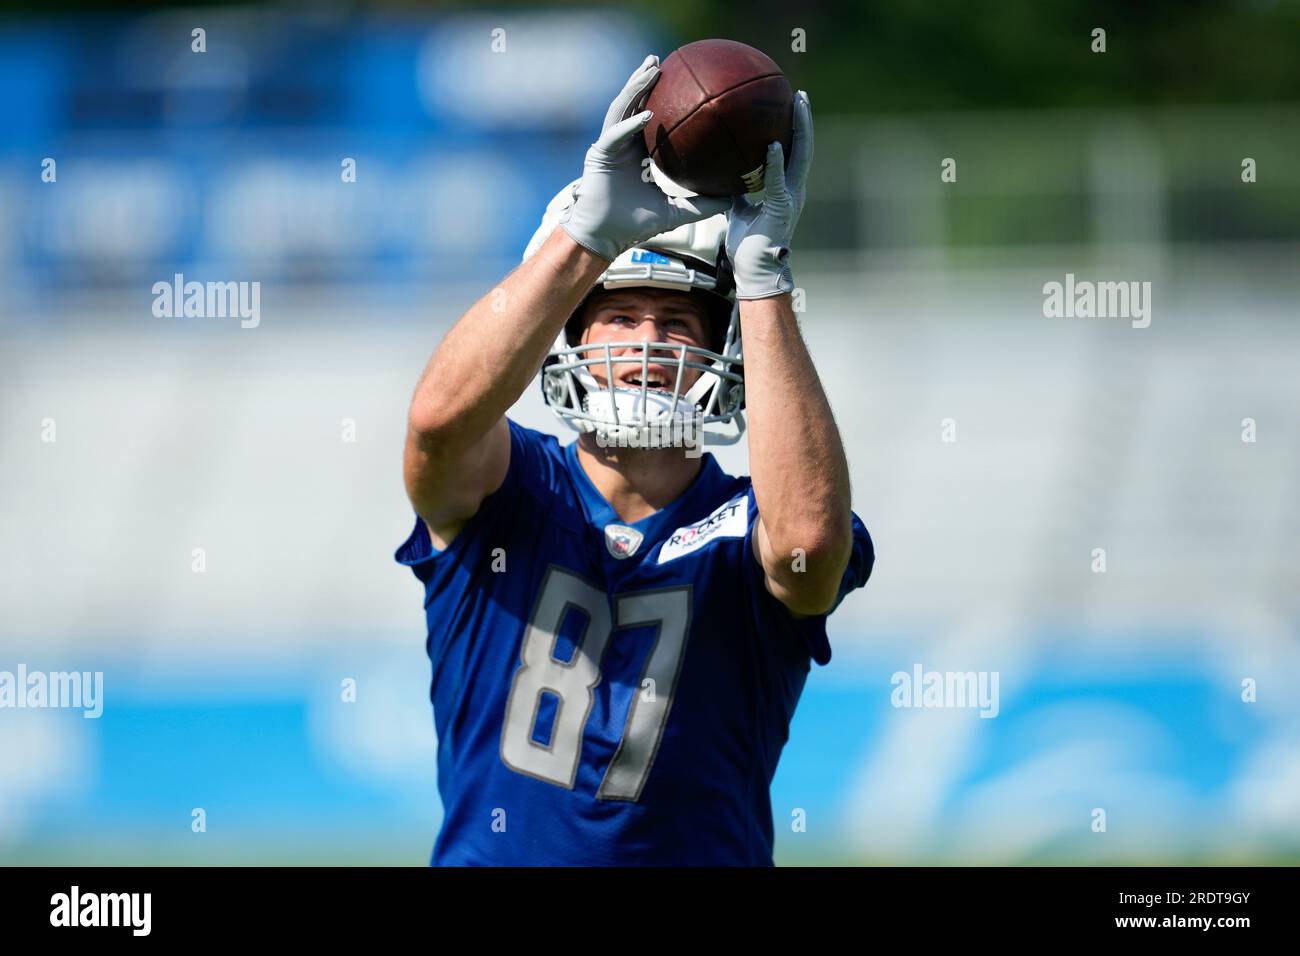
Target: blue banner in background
pixel 331 758
pixel 307 149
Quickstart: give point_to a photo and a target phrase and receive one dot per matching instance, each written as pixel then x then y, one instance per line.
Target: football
pixel 717 104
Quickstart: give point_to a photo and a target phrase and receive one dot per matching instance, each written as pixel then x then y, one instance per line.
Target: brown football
pixel 717 104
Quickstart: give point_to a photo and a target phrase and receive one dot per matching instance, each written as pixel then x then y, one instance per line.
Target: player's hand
pixel 616 207
pixel 758 235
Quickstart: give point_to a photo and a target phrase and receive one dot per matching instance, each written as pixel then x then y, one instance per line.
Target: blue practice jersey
pixel 604 693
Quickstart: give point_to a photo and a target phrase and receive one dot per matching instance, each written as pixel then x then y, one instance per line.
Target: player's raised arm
pixel 458 444
pixel 800 474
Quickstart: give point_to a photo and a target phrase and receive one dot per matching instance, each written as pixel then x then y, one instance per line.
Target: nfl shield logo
pixel 621 540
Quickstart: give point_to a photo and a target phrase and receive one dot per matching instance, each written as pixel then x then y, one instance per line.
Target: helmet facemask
pixel 709 411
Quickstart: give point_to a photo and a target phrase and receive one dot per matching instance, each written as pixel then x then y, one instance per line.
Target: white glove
pixel 615 207
pixel 758 235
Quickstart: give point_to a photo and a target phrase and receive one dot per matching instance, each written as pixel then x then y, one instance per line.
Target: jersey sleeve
pixel 770 615
pixel 530 481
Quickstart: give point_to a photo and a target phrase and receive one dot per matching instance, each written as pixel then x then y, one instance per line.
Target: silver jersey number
pixel 574 682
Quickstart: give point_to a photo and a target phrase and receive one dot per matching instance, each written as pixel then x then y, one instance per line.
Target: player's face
pixel 645 315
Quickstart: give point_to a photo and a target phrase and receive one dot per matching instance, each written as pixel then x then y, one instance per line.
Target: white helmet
pixel 691 258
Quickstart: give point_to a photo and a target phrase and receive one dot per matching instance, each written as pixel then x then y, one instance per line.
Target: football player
pixel 619 631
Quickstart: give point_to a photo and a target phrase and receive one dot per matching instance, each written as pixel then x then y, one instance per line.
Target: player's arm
pixel 458 442
pixel 801 479
pixel 800 474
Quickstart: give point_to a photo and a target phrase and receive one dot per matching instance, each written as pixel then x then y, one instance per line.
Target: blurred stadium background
pixel 924 302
